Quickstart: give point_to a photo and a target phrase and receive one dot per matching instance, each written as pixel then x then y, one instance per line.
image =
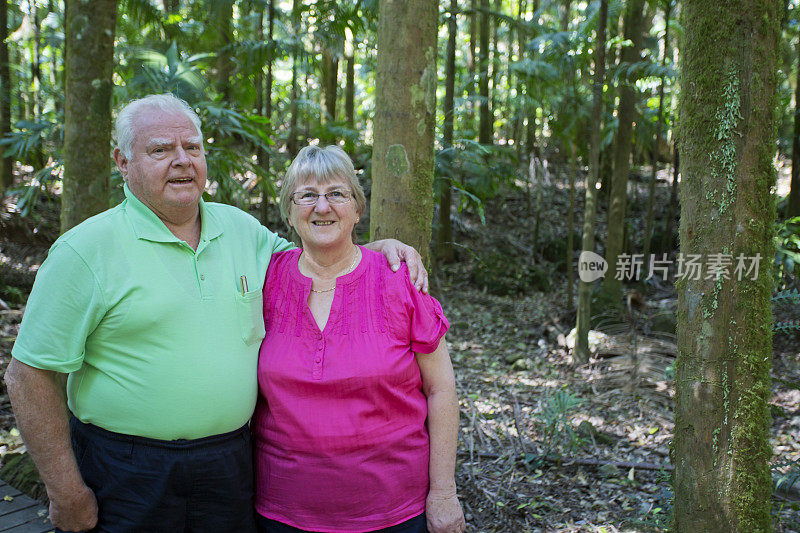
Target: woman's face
pixel 324 225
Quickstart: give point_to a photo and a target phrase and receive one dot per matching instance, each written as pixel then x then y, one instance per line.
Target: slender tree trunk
pixel 291 142
pixel 330 84
pixel 444 246
pixel 519 121
pixel 581 352
pixel 223 21
pixel 486 126
pixel 56 80
pixel 6 176
pixel 672 208
pixel 264 157
pixel 793 207
pixel 570 147
pixel 648 232
pixel 350 90
pixel 494 63
pixel 87 122
pixel 611 289
pixel 472 64
pixel 405 109
pixel 573 170
pixel 728 126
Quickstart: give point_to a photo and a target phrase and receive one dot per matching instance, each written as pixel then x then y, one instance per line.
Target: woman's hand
pixel 444 513
pixel 397 252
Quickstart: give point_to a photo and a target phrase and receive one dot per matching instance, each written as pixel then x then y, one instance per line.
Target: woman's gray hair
pixel 320 165
pixel 124 127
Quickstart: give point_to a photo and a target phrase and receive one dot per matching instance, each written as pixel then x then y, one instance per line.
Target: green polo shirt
pixel 159 339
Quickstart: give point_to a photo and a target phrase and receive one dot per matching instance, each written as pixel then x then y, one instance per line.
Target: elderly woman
pixel 357 418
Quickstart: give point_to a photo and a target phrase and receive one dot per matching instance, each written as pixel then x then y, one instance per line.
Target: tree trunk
pixel 264 158
pixel 485 125
pixel 350 90
pixel 648 232
pixel 519 121
pixel 291 142
pixel 494 77
pixel 330 84
pixel 672 208
pixel 6 177
pixel 444 242
pixel 87 121
pixel 793 207
pixel 581 352
pixel 223 21
pixel 405 109
pixel 611 289
pixel 722 385
pixel 472 66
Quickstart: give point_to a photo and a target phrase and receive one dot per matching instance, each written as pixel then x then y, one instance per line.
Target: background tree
pixel 6 177
pixel 611 289
pixel 722 452
pixel 402 155
pixel 581 353
pixel 87 121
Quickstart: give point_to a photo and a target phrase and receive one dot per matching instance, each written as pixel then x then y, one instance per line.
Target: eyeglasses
pixel 310 198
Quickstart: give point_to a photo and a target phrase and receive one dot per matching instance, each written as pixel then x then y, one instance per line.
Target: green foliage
pixel 787 250
pixel 503 275
pixel 786 297
pixel 554 422
pixel 785 475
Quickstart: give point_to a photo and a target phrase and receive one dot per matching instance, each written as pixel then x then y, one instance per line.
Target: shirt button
pixel 317 360
pixel 202 277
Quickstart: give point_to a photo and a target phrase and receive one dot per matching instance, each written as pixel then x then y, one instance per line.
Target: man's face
pixel 167 170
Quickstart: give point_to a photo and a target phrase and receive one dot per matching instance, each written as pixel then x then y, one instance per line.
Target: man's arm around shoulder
pixel 39 403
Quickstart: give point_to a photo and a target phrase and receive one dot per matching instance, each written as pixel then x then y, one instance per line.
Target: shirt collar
pixel 147 225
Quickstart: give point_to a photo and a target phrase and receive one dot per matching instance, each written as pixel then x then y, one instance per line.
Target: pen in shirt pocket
pixel 243 283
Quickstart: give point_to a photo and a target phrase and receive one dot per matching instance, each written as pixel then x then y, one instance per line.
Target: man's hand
pixel 397 252
pixel 444 514
pixel 75 512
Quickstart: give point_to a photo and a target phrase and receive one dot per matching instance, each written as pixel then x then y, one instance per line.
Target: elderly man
pixel 154 309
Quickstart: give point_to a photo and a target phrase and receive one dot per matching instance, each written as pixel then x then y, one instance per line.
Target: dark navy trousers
pixel 418 524
pixel 152 486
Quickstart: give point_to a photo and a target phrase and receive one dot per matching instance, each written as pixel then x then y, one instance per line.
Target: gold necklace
pixel 345 271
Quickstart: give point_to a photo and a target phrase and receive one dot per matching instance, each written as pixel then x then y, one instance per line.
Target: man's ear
pixel 122 162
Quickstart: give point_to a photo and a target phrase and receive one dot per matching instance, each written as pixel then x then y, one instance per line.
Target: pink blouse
pixel 339 427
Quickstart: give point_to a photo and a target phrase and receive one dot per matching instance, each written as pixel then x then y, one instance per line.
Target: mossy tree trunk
pixel 6 176
pixel 444 241
pixel 87 122
pixel 405 109
pixel 793 209
pixel 728 128
pixel 611 289
pixel 581 352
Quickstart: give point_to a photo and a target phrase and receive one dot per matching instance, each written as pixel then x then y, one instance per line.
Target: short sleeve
pixel 65 306
pixel 428 323
pixel 272 243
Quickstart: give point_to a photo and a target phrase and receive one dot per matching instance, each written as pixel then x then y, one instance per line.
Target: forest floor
pixel 545 445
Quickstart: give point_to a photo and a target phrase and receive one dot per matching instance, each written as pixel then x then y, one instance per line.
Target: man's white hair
pixel 124 127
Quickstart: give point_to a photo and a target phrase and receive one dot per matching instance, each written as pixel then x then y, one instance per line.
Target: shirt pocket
pixel 250 310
